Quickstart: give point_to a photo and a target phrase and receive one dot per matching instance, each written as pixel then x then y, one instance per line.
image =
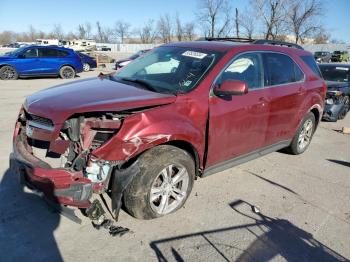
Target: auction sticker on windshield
pixel 193 54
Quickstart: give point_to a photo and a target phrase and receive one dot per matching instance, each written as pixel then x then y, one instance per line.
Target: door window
pixel 30 53
pixel 281 69
pixel 47 52
pixel 247 68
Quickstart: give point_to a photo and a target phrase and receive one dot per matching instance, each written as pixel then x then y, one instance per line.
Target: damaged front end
pixel 59 161
pixel 334 106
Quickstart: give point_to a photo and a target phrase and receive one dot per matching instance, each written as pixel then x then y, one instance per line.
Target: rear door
pixel 49 60
pixel 285 80
pixel 237 124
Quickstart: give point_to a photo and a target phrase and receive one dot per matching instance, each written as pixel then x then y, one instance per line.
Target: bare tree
pixel 189 31
pixel 148 32
pixel 322 37
pixel 237 20
pixel 302 16
pixel 121 30
pixel 247 23
pixel 165 28
pixel 7 37
pixel 272 14
pixel 81 31
pixel 88 30
pixel 179 28
pixel 32 34
pixel 57 31
pixel 215 16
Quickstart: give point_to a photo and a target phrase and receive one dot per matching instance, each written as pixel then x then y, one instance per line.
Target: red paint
pixel 236 126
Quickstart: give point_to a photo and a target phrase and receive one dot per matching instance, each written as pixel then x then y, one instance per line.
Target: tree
pixel 322 37
pixel 248 23
pixel 165 28
pixel 103 34
pixel 57 31
pixel 148 32
pixel 121 30
pixel 7 37
pixel 81 31
pixel 302 16
pixel 215 16
pixel 189 31
pixel 179 28
pixel 272 14
pixel 237 23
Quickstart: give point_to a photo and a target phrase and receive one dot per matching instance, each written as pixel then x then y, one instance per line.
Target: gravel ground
pixel 304 202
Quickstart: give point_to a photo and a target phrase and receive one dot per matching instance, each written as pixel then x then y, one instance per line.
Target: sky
pixel 43 14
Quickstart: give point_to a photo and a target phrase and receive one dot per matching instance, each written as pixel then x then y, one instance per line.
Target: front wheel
pixel 8 73
pixel 67 72
pixel 163 185
pixel 303 136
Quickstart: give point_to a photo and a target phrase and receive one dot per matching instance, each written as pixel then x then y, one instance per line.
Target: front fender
pixel 144 130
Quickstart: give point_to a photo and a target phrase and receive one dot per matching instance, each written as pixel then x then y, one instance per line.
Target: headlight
pixel 329 101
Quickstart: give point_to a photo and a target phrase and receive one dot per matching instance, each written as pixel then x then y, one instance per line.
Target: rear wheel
pixel 303 136
pixel 86 67
pixel 163 184
pixel 67 72
pixel 8 73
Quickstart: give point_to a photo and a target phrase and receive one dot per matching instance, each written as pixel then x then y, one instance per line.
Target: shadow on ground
pixel 270 238
pixel 340 162
pixel 26 224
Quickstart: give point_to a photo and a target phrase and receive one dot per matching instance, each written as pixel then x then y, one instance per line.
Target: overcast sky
pixel 17 15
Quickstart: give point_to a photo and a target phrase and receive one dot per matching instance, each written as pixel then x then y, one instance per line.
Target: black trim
pixel 245 158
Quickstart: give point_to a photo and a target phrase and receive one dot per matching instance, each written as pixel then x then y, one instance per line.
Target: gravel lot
pixel 304 202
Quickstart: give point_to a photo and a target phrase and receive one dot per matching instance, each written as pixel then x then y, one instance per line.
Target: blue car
pixel 40 61
pixel 88 61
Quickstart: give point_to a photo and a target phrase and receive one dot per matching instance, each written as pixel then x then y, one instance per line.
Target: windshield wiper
pixel 141 82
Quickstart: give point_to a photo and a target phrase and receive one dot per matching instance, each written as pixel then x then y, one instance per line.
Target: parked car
pixel 103 48
pixel 340 56
pixel 144 137
pixel 40 61
pixel 123 62
pixel 88 61
pixel 338 94
pixel 323 57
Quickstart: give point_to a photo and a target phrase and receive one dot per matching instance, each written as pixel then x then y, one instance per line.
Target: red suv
pixel 184 110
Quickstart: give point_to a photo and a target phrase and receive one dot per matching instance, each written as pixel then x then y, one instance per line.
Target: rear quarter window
pixel 62 53
pixel 311 63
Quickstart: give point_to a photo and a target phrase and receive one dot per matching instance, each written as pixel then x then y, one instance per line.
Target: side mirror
pixel 231 88
pixel 21 56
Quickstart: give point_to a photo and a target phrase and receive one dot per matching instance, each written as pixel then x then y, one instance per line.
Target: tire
pixel 67 72
pixel 8 73
pixel 346 102
pixel 155 165
pixel 86 67
pixel 303 136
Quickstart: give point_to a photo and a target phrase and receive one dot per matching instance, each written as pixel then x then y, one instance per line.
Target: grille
pixel 38 119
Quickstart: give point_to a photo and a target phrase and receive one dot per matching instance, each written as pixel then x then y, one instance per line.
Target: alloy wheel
pixel 305 134
pixel 169 189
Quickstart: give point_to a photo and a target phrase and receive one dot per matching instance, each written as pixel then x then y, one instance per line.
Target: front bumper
pixel 58 185
pixel 331 112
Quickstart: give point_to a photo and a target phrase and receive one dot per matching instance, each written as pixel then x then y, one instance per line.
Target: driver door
pixel 29 63
pixel 238 124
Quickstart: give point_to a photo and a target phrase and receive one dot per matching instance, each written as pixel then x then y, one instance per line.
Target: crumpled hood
pixel 91 95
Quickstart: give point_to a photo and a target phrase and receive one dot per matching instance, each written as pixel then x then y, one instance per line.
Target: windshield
pixel 336 73
pixel 169 69
pixel 16 52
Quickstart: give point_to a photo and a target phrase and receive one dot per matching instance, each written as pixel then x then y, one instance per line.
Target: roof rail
pixel 276 42
pixel 233 39
pixel 253 41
